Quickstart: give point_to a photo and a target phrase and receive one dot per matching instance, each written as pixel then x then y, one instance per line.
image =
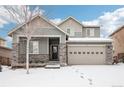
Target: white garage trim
pixel 85 45
pixel 86 54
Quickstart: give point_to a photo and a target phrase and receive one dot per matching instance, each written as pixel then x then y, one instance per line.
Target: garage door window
pixel 101 52
pixel 88 52
pixel 83 52
pixel 97 52
pixel 92 52
pixel 75 52
pixel 79 52
pixel 70 52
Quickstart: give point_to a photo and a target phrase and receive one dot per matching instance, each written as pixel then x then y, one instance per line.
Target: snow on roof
pixel 89 40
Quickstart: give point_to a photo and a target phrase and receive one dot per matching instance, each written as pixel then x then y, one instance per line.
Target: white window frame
pixel 87 29
pixel 92 32
pixel 35 46
pixel 68 29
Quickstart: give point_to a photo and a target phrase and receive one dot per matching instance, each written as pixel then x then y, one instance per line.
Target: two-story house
pixel 68 43
pixel 5 53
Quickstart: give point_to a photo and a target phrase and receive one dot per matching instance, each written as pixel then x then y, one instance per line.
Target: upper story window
pixel 92 32
pixel 34 47
pixel 78 34
pixel 68 30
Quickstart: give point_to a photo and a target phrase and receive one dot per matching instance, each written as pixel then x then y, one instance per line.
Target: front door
pixel 54 52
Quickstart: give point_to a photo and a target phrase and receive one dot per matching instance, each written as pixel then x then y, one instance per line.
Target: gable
pixel 37 22
pixel 116 31
pixel 41 23
pixel 73 25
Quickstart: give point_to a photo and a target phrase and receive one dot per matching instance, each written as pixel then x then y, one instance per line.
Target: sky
pixel 108 17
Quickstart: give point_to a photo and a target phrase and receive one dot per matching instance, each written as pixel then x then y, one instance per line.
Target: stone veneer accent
pixel 19 55
pixel 39 58
pixel 109 53
pixel 14 54
pixel 34 58
pixel 62 54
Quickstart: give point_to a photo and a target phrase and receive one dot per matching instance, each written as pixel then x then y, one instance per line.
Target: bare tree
pixel 23 15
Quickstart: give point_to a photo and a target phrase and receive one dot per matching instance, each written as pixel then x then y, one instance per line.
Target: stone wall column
pixel 109 54
pixel 14 54
pixel 62 54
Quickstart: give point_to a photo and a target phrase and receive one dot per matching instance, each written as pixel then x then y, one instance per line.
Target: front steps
pixel 53 65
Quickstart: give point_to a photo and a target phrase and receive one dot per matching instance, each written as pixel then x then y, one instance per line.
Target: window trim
pixel 92 32
pixel 68 29
pixel 33 49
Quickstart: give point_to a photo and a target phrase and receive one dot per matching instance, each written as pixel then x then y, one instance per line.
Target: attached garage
pixel 87 52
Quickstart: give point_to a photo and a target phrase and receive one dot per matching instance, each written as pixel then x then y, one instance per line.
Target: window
pixel 88 52
pixel 78 34
pixel 79 52
pixel 97 52
pixel 75 52
pixel 92 52
pixel 83 52
pixel 68 30
pixel 101 52
pixel 70 52
pixel 34 47
pixel 92 32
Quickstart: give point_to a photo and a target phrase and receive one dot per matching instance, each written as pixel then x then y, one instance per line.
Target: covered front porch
pixel 43 50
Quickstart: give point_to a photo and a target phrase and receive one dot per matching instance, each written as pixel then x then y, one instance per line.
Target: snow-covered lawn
pixel 85 75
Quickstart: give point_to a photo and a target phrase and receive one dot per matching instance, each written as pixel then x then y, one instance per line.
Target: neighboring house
pixel 2 42
pixel 5 53
pixel 118 42
pixel 66 44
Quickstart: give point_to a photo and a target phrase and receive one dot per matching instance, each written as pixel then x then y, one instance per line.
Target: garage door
pixel 86 54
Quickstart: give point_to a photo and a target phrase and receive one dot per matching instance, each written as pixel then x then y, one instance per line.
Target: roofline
pixel 18 26
pixel 69 18
pixel 117 30
pixel 5 48
pixel 32 19
pixel 96 26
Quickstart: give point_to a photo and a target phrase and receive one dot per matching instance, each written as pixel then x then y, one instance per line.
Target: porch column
pixel 15 54
pixel 109 54
pixel 62 54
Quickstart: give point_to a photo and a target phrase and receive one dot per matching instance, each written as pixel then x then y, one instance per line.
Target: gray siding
pixel 40 27
pixel 78 30
pixel 87 33
pixel 41 31
pixel 73 26
pixel 44 46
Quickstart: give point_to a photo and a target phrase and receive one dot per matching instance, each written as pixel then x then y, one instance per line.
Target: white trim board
pixel 39 36
pixel 88 45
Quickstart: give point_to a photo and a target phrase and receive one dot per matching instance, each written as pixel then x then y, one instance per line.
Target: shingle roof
pixel 116 31
pixel 13 30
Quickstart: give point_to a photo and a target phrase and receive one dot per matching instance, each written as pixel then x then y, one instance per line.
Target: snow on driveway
pixel 83 75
